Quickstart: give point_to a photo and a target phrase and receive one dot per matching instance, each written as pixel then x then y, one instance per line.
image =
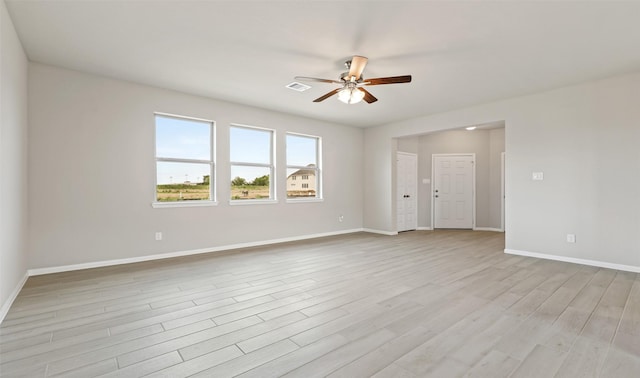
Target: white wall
pixel 485 144
pixel 379 168
pixel 91 159
pixel 496 148
pixel 585 140
pixel 13 162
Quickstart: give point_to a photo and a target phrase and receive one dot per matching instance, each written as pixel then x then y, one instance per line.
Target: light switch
pixel 537 176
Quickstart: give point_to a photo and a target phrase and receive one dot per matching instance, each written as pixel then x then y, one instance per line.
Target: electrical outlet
pixel 537 176
pixel 158 235
pixel 571 238
pixel 340 218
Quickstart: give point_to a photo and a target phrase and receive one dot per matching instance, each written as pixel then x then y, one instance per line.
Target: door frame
pixel 414 155
pixel 473 187
pixel 502 191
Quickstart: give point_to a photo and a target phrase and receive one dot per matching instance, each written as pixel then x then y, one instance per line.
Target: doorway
pixel 453 191
pixel 407 191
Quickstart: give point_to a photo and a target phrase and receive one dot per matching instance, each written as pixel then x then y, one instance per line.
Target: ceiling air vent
pixel 298 86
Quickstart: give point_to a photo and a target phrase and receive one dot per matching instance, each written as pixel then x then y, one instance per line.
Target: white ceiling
pixel 459 53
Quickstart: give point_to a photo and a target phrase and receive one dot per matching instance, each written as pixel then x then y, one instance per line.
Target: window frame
pixel 212 165
pixel 319 197
pixel 271 166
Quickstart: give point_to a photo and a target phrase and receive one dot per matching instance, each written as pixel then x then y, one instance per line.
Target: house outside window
pixel 185 165
pixel 304 161
pixel 252 167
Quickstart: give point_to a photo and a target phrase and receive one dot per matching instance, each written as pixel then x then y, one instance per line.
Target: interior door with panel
pixel 453 191
pixel 406 191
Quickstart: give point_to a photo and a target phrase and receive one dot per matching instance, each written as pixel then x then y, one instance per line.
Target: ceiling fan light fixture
pixel 350 95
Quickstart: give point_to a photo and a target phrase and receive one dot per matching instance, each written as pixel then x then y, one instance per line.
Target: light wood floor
pixel 424 303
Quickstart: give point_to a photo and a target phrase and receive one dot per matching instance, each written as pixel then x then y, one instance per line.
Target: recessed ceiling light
pixel 470 128
pixel 298 86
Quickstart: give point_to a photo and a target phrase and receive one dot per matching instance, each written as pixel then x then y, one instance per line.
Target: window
pixel 303 159
pixel 184 159
pixel 252 166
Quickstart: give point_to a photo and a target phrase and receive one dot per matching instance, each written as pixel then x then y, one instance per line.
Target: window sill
pixel 304 200
pixel 253 202
pixel 159 205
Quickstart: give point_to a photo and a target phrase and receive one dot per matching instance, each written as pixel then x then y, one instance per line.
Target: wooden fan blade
pixel 368 97
pixel 357 66
pixel 388 80
pixel 305 78
pixel 322 98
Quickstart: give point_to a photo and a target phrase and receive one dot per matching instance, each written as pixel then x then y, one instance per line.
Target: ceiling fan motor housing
pixel 345 77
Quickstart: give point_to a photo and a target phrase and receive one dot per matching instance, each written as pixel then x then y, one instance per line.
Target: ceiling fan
pixel 352 82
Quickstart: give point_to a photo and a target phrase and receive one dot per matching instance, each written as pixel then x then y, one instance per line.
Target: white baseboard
pixel 600 264
pixel 488 229
pixel 14 294
pixel 425 228
pixel 99 264
pixel 388 233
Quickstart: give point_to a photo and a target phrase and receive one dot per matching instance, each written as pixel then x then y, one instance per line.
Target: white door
pixel 453 190
pixel 407 189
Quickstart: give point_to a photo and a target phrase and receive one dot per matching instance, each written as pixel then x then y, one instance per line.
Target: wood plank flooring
pixel 420 304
